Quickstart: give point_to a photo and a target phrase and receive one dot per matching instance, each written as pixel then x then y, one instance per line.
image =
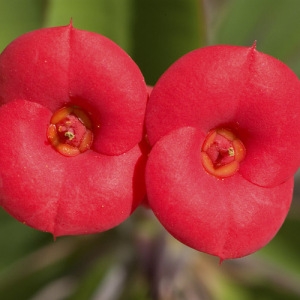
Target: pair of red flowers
pixel 222 124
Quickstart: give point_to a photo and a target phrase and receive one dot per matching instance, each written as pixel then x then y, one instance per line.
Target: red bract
pixel 64 91
pixel 223 122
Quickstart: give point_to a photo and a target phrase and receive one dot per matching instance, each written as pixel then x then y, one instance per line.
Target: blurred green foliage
pixel 138 260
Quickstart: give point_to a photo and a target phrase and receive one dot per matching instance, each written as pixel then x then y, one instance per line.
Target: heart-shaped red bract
pixel 223 123
pixel 41 72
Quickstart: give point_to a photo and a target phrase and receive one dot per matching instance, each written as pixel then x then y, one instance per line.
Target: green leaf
pixel 111 18
pixel 163 31
pixel 274 24
pixel 18 17
pixel 18 240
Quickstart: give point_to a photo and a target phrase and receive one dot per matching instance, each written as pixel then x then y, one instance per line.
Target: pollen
pixel 70 135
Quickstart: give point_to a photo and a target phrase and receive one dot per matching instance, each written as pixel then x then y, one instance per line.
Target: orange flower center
pixel 70 131
pixel 222 153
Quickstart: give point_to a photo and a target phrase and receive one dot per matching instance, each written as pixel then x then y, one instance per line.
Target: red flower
pixel 64 91
pixel 224 125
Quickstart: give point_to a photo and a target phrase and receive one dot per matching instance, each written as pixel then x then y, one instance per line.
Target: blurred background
pixel 138 259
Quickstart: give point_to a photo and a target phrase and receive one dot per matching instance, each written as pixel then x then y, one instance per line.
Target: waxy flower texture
pixel 72 116
pixel 222 125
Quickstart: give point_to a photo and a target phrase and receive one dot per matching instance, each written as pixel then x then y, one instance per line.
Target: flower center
pixel 222 153
pixel 70 131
